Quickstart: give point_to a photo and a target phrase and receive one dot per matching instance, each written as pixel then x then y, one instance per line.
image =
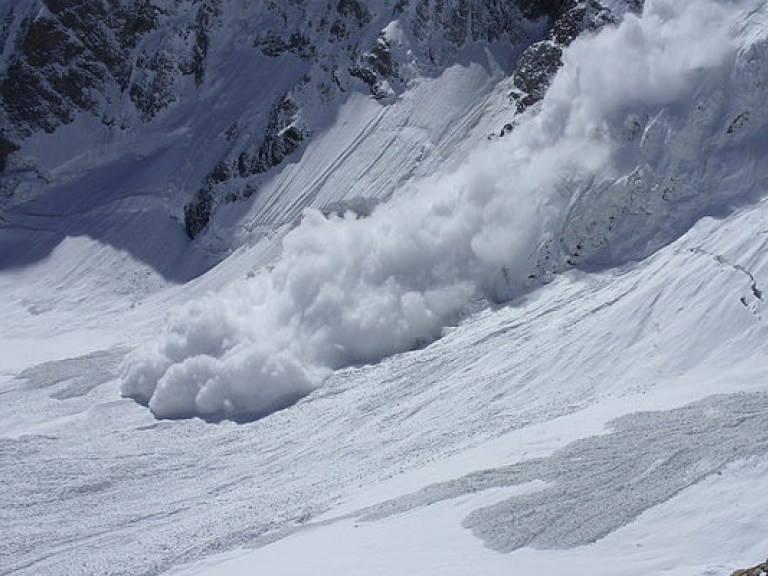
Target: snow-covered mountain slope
pixel 96 485
pixel 545 349
pixel 608 169
pixel 219 95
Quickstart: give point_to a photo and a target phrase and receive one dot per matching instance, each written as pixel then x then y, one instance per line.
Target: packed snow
pixel 349 290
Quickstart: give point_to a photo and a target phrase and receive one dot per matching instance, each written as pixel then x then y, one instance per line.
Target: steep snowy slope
pixel 545 349
pixel 220 94
pixel 609 169
pixel 180 94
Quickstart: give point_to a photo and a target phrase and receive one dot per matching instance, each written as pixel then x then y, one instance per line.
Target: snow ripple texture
pixel 610 142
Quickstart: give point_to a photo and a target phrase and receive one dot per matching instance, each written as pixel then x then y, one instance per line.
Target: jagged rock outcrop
pixel 282 137
pixel 69 57
pixel 66 57
pixel 539 63
pixel 759 570
pixel 6 149
pixel 535 69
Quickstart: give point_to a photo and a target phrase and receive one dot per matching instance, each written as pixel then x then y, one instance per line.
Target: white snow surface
pixel 443 412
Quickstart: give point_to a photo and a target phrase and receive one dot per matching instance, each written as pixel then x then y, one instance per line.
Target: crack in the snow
pixel 720 259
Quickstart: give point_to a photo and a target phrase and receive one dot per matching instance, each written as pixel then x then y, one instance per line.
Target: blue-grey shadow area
pixel 121 203
pixel 74 377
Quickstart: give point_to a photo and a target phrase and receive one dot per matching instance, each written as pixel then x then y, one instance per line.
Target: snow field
pixel 96 485
pixel 677 538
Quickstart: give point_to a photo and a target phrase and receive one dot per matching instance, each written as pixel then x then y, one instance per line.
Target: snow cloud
pixel 347 290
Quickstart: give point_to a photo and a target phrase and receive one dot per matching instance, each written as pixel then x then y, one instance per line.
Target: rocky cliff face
pixel 131 63
pixel 65 57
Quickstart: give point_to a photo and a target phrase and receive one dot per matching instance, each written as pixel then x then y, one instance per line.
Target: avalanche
pixel 348 290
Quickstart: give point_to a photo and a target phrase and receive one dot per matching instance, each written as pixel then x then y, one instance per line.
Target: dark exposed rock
pixel 738 122
pixel 365 74
pixel 7 147
pixel 138 22
pixel 577 16
pixel 197 213
pixel 539 63
pixel 458 24
pixel 47 42
pixel 273 45
pixel 5 30
pixel 354 9
pixel 352 16
pixel 155 92
pixel 207 15
pixel 221 173
pixel 535 70
pixel 70 58
pixel 282 138
pixel 465 21
pixel 759 570
pixel 30 103
pixel 158 72
pixel 250 190
pixel 380 59
pixel 376 68
pixel 534 9
pixel 63 59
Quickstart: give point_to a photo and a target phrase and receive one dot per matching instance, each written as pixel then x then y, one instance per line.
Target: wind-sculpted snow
pixel 349 290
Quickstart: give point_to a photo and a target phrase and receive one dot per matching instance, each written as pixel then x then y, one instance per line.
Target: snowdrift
pixel 647 127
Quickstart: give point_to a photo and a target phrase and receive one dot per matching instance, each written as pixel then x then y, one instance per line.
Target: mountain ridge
pixel 125 63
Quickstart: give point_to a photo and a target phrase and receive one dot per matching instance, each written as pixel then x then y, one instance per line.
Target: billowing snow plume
pixel 347 290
